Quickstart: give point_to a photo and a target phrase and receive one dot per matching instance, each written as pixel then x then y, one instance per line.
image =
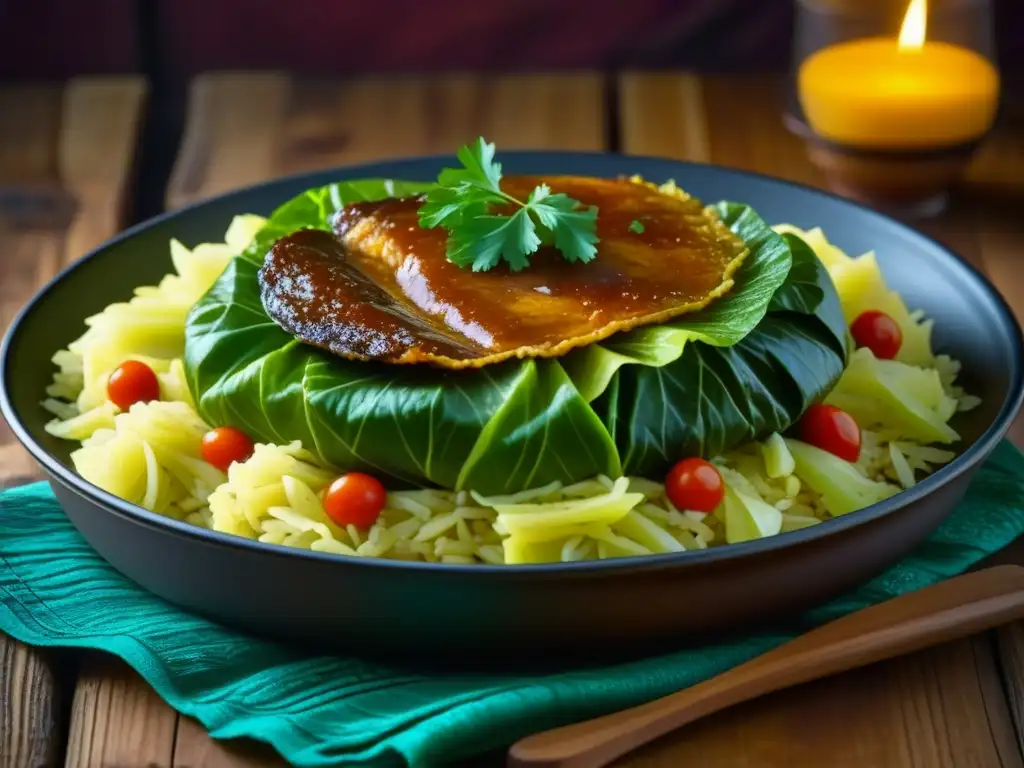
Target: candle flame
pixel 915 26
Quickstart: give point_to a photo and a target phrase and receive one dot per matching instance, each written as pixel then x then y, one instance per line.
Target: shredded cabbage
pixel 905 401
pixel 841 485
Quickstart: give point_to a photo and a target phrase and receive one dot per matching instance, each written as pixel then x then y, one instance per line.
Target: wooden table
pixel 66 171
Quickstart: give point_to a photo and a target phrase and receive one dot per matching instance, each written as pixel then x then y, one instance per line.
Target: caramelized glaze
pixel 382 288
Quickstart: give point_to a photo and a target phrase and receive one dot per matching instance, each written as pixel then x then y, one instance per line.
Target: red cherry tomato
pixel 694 484
pixel 132 382
pixel 832 430
pixel 355 499
pixel 225 445
pixel 879 333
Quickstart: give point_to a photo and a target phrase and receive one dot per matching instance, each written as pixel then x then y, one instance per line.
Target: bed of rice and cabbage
pixel 150 454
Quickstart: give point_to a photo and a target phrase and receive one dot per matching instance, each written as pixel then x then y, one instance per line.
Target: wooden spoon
pixel 956 608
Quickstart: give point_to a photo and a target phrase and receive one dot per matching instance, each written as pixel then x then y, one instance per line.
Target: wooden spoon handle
pixel 956 608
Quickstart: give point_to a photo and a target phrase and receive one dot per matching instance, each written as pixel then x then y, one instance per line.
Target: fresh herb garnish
pixel 462 203
pixel 636 226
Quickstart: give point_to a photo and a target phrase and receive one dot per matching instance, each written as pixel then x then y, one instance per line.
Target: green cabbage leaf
pixel 746 366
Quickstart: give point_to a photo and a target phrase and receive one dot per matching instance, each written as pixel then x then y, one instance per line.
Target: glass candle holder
pixel 893 97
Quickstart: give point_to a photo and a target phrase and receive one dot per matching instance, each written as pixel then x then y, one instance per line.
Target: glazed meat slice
pixel 381 288
pixel 311 289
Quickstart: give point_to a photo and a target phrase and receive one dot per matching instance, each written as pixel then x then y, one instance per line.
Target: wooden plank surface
pixel 195 749
pixel 65 161
pixel 944 707
pixel 118 720
pixel 245 128
pixel 731 121
pixel 30 705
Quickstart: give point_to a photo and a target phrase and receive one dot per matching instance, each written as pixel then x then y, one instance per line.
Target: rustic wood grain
pixel 195 749
pixel 65 156
pixel 30 198
pixel 245 128
pixel 939 709
pixel 680 129
pixel 30 706
pixel 117 719
pixel 991 200
pixel 1010 645
pixel 65 161
pixel 986 226
pixel 730 121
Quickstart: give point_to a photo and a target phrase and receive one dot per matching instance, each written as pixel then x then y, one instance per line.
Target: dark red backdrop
pixel 59 38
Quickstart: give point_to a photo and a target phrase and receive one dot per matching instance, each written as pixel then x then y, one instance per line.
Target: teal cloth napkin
pixel 321 710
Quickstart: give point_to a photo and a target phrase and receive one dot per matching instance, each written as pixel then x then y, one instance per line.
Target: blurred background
pixel 172 40
pixel 167 43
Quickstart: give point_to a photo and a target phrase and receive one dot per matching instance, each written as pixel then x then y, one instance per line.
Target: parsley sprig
pixel 463 203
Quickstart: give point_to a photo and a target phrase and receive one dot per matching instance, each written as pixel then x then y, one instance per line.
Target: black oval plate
pixel 631 602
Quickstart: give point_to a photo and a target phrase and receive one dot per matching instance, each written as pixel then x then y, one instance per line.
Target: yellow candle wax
pixel 874 93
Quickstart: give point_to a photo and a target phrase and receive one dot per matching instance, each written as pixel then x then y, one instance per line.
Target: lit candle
pixel 899 94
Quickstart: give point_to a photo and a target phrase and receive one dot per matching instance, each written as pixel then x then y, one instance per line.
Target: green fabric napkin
pixel 56 591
